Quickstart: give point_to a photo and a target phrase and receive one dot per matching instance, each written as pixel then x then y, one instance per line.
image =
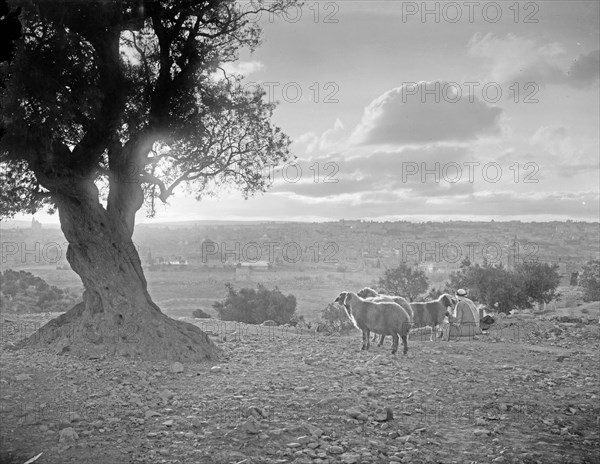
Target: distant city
pixel 344 245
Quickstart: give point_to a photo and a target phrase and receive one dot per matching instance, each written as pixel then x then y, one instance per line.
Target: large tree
pixel 110 105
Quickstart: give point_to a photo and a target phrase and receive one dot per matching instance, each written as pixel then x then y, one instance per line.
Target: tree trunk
pixel 117 316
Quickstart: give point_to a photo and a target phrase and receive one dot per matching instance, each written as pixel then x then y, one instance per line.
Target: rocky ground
pixel 525 393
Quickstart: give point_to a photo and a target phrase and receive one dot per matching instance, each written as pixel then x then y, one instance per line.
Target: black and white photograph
pixel 299 231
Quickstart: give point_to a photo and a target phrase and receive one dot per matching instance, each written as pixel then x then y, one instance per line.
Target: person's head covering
pixel 461 292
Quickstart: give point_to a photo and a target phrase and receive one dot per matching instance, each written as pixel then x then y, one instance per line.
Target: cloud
pixel 515 58
pixel 564 154
pixel 475 206
pixel 423 113
pixel 585 70
pixel 435 171
pixel 518 59
pixel 330 139
pixel 243 67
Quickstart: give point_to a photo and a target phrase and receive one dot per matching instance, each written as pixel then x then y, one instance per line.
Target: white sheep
pixel 371 295
pixel 432 313
pixel 385 318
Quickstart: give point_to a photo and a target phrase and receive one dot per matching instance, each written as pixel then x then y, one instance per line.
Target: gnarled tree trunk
pixel 117 316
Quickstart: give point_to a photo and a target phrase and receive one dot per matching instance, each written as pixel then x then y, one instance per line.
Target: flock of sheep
pixel 393 315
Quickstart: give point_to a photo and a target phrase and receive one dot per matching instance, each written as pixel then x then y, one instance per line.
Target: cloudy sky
pixel 455 111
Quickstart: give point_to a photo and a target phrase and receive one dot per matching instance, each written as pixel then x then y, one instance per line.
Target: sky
pixel 419 111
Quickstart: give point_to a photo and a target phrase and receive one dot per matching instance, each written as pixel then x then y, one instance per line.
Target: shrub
pixel 335 317
pixel 254 306
pixel 201 314
pixel 25 292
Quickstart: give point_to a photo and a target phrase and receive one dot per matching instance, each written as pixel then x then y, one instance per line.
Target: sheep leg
pixel 381 340
pixel 394 343
pixel 366 339
pixel 405 343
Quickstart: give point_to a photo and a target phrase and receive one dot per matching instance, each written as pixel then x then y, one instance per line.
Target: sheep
pixel 372 295
pixel 431 313
pixel 368 292
pixel 384 317
pixel 392 299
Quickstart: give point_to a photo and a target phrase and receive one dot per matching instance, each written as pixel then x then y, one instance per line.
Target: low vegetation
pixel 256 305
pixel 201 314
pixel 22 292
pixel 335 317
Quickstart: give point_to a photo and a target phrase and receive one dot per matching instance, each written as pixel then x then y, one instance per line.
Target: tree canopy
pixel 505 289
pixel 107 105
pixel 105 94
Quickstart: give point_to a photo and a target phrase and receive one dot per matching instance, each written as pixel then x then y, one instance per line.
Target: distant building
pixel 255 266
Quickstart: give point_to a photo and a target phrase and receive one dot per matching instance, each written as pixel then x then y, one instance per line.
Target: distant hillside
pixel 22 292
pixel 330 246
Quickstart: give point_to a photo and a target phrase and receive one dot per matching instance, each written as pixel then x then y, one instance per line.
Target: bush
pixel 589 281
pixel 335 317
pixel 254 306
pixel 24 292
pixel 201 314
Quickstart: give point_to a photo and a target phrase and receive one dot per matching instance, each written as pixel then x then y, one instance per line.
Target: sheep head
pixel 344 299
pixel 447 300
pixel 341 297
pixel 367 293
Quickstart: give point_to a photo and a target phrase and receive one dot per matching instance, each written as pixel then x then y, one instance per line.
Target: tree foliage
pixel 539 281
pixel 504 289
pixel 589 281
pixel 105 94
pixel 256 305
pixel 404 281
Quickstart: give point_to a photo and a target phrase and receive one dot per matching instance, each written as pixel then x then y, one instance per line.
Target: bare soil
pixel 525 393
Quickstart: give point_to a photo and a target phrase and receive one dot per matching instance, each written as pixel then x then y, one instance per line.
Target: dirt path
pixel 274 399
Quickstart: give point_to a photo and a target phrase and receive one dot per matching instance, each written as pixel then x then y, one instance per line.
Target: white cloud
pixel 518 59
pixel 515 58
pixel 424 113
pixel 565 154
pixel 332 139
pixel 243 67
